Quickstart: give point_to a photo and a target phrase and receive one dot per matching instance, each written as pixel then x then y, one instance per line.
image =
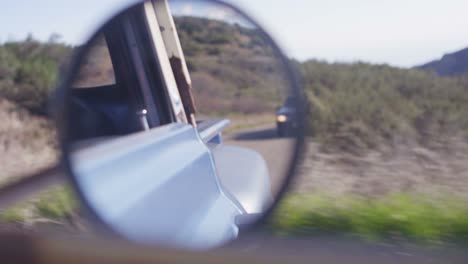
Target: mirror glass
pixel 181 123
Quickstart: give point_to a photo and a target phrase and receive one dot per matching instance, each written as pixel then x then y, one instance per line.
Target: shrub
pixel 29 70
pixel 363 105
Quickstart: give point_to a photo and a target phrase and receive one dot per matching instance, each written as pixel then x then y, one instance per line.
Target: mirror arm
pixel 27 186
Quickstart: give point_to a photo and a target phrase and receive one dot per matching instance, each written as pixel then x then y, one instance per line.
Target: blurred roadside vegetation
pixel 57 203
pixel 353 108
pixel 29 70
pixel 397 217
pixel 362 106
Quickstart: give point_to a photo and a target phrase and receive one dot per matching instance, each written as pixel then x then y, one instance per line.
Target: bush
pixel 29 70
pixel 364 105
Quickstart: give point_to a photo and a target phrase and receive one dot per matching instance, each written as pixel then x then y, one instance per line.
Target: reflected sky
pixel 209 10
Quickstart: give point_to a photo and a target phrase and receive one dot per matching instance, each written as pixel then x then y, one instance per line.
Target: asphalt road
pixel 275 150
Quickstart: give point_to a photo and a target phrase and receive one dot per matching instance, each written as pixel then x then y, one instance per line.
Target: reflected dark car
pixel 286 121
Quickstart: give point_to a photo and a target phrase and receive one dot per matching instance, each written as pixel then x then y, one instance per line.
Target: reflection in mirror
pixel 181 125
pixel 237 75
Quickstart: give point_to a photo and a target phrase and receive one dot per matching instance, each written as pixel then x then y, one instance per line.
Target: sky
pixel 401 33
pixel 210 10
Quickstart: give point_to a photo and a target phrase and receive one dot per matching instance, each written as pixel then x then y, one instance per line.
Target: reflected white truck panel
pixel 163 186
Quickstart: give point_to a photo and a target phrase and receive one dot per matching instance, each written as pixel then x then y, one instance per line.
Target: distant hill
pixel 233 68
pixel 450 64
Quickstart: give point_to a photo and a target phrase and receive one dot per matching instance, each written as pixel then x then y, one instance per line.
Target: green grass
pixel 13 215
pixel 416 218
pixel 54 204
pixel 399 216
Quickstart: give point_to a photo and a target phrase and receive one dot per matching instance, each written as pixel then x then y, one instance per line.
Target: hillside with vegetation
pixel 351 106
pixel 362 106
pixel 28 72
pixel 378 136
pixel 233 68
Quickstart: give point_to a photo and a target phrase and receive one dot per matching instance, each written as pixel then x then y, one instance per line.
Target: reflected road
pixel 275 150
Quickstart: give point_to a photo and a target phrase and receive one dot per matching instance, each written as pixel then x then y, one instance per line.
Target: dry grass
pixel 27 142
pixel 405 168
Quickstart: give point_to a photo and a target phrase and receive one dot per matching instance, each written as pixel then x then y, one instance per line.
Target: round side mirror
pixel 182 123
